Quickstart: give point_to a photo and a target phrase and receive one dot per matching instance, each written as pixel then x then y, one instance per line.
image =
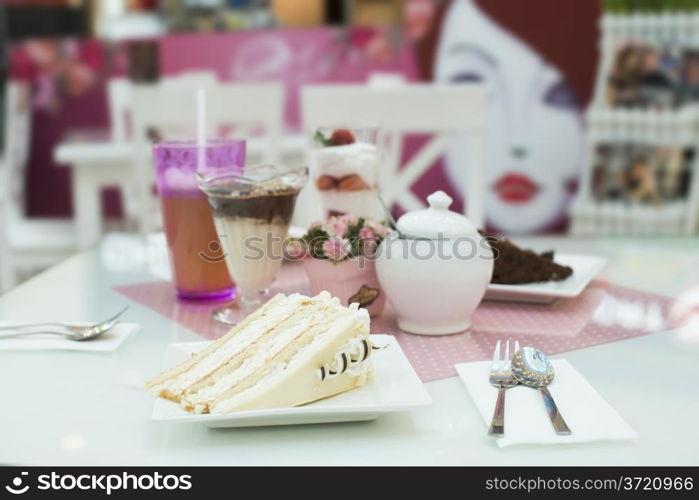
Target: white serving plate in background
pixel 585 268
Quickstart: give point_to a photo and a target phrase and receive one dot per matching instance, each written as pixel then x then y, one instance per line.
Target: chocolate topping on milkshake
pixel 272 203
pixel 264 194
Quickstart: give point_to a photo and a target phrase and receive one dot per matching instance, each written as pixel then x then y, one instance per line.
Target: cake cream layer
pixel 273 358
pixel 250 364
pixel 172 383
pixel 360 158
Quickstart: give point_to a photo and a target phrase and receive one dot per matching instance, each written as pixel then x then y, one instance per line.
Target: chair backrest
pixel 379 79
pixel 192 77
pixel 119 97
pixel 443 111
pixel 239 110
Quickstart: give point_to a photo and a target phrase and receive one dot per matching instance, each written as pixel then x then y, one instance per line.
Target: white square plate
pixel 584 269
pixel 393 387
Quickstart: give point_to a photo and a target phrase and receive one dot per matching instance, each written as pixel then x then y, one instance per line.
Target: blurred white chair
pixel 398 109
pixel 119 98
pixel 26 244
pixel 247 110
pixel 192 77
pixel 120 120
pixel 102 163
pixel 378 79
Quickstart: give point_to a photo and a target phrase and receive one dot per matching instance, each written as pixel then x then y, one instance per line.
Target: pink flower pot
pixel 352 280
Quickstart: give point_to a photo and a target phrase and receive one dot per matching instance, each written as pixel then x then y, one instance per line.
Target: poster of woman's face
pixel 641 174
pixel 652 76
pixel 535 135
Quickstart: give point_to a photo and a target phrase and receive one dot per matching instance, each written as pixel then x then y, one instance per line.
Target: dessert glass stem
pixel 251 299
pixel 246 301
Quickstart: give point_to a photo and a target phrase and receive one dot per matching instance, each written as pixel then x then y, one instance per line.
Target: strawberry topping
pixel 341 137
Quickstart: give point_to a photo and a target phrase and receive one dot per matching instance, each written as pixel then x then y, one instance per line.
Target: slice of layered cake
pixel 293 350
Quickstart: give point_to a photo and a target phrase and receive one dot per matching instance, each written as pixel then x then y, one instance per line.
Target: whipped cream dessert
pixel 252 224
pixel 291 351
pixel 346 177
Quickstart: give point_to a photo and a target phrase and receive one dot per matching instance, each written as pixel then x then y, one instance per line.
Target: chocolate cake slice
pixel 514 265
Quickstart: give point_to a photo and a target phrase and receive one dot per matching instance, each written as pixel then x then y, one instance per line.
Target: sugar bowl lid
pixel 437 221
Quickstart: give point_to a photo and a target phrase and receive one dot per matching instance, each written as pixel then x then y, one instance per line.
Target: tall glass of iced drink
pixel 197 261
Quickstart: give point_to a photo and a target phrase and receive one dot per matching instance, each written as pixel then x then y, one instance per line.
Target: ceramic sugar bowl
pixel 437 271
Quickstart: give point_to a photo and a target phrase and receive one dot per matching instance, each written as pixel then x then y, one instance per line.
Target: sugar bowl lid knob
pixel 439 200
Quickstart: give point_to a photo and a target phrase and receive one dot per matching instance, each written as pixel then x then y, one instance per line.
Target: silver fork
pixel 73 332
pixel 501 377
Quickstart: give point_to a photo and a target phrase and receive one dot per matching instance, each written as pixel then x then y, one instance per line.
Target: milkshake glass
pixel 252 211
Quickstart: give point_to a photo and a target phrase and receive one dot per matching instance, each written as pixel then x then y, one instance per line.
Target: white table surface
pixel 79 408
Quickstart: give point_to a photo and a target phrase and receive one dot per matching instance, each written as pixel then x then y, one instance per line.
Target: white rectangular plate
pixel 393 387
pixel 584 269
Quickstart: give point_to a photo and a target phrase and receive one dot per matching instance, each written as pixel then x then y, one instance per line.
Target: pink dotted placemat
pixel 602 313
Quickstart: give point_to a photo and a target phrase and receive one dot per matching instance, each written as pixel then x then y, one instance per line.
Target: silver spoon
pixel 72 332
pixel 391 221
pixel 532 368
pixel 389 216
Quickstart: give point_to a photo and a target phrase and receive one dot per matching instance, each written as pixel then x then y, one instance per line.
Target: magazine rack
pixel 672 127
